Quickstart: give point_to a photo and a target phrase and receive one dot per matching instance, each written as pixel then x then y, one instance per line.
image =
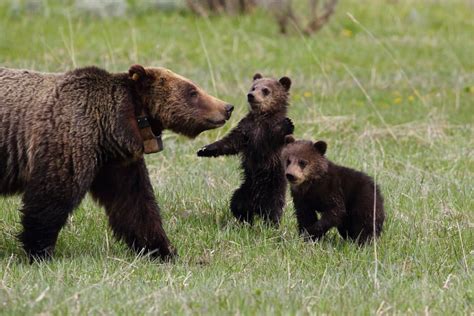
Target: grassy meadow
pixel 388 84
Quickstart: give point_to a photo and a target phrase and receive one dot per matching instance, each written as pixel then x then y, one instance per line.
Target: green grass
pixel 391 91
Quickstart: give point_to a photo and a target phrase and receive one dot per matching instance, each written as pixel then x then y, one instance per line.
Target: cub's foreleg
pixel 231 144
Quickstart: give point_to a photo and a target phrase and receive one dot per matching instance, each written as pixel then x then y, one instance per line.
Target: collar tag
pixel 151 143
pixel 159 141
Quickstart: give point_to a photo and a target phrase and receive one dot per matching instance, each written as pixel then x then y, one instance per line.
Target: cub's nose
pixel 228 110
pixel 290 177
pixel 250 97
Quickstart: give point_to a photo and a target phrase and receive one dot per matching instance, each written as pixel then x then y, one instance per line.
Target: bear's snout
pixel 290 177
pixel 250 97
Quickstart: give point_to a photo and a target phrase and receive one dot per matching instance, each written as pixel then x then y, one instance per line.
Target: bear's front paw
pixel 313 233
pixel 164 253
pixel 207 151
pixel 171 255
pixel 287 126
pixel 307 237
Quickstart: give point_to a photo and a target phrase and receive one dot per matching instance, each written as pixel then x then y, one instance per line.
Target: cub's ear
pixel 257 76
pixel 289 139
pixel 136 72
pixel 321 146
pixel 285 82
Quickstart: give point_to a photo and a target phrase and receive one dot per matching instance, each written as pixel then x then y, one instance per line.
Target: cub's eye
pixel 288 162
pixel 193 94
pixel 265 91
pixel 302 163
pixel 253 88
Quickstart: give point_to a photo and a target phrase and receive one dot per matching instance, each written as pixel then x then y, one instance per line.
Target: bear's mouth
pixel 215 122
pixel 255 106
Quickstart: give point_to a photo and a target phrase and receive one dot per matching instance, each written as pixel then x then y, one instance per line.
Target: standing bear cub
pixel 65 134
pixel 346 198
pixel 259 138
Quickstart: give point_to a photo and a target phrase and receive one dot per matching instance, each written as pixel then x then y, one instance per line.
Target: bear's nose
pixel 250 97
pixel 229 108
pixel 290 177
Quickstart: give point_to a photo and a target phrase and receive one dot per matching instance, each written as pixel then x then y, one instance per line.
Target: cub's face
pixel 268 94
pixel 303 160
pixel 178 104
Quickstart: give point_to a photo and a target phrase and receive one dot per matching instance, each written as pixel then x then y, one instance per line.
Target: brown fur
pixel 64 134
pixel 345 198
pixel 259 138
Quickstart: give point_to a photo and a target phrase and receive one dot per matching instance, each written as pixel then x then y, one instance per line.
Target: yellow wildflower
pixel 307 94
pixel 411 98
pixel 397 100
pixel 346 33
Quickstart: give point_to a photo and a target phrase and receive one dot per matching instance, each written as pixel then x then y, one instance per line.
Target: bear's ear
pixel 321 146
pixel 289 139
pixel 285 82
pixel 257 76
pixel 136 72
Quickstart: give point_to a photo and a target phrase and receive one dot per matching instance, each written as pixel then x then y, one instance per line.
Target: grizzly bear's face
pixel 303 160
pixel 268 95
pixel 176 103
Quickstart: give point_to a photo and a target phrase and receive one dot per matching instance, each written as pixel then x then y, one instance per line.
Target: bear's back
pixel 360 191
pixel 23 88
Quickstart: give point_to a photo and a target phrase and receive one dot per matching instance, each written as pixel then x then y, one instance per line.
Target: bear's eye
pixel 302 163
pixel 265 91
pixel 288 162
pixel 193 94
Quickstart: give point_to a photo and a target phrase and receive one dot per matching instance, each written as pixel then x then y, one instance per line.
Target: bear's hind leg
pixel 54 189
pixel 271 209
pixel 43 216
pixel 240 206
pixel 365 223
pixel 272 216
pixel 269 197
pixel 364 233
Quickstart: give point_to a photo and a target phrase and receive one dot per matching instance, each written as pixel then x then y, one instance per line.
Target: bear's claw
pixel 288 126
pixel 206 152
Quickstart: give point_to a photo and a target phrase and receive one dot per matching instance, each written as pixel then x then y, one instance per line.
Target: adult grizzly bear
pixel 65 134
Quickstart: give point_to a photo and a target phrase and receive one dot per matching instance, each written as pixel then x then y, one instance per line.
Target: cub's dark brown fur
pixel 64 134
pixel 259 138
pixel 345 198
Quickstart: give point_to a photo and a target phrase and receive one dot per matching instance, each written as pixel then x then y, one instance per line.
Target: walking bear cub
pixel 259 138
pixel 345 198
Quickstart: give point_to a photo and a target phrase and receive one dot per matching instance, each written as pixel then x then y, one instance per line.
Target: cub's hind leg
pixel 240 205
pixel 269 197
pixel 270 206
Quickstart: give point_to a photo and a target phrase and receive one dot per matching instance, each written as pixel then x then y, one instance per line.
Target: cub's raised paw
pixel 288 126
pixel 207 151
